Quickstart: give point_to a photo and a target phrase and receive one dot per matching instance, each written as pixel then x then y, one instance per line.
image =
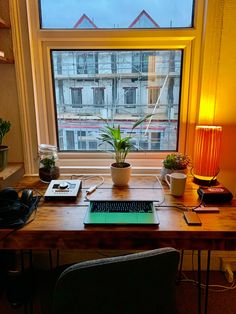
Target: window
pixel 108 102
pixel 86 63
pixel 76 97
pixel 129 95
pixel 98 96
pixel 117 70
pixel 140 61
pixel 84 14
pixel 153 94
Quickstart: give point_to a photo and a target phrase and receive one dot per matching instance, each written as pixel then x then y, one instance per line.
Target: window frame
pixel 43 41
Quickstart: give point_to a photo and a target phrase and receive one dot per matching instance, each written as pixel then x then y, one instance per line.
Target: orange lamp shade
pixel 207 151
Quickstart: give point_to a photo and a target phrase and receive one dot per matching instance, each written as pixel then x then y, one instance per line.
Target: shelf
pixel 12 173
pixel 6 60
pixel 3 24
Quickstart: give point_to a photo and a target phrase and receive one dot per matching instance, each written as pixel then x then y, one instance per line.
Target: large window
pixel 120 96
pixel 115 60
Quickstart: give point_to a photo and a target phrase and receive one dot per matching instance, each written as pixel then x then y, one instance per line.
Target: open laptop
pixel 121 212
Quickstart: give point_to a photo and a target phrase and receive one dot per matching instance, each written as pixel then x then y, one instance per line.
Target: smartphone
pixel 192 219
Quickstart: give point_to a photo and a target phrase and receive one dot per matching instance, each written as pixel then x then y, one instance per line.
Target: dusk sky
pixel 115 13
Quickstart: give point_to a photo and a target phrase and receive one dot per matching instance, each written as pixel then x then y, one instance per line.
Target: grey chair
pixel 139 283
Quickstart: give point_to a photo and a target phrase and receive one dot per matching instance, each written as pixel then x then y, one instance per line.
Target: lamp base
pixel 203 182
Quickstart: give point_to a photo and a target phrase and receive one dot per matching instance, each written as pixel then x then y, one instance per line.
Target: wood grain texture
pixel 59 224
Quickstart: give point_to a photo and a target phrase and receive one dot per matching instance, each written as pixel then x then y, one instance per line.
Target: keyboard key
pixel 122 206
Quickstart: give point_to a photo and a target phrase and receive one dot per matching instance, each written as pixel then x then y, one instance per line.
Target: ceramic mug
pixel 176 182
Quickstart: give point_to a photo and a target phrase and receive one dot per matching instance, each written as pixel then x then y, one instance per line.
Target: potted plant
pixel 48 159
pixel 121 145
pixel 4 129
pixel 175 162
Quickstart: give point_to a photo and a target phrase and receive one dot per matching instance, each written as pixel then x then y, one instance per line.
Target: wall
pixel 8 91
pixel 226 96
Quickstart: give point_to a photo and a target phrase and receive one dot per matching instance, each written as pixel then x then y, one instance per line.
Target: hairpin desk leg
pixel 199 282
pixel 180 266
pixel 207 279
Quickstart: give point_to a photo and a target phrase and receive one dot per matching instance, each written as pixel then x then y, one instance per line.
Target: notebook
pixel 121 212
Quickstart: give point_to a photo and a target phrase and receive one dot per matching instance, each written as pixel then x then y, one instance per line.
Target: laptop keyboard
pixel 121 206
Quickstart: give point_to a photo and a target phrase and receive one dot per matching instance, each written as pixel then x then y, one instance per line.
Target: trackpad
pixel 121 218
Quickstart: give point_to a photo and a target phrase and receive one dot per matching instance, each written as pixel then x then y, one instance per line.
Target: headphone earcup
pixel 9 194
pixel 26 197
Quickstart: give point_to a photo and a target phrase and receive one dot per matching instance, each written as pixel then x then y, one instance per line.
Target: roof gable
pixel 144 20
pixel 84 22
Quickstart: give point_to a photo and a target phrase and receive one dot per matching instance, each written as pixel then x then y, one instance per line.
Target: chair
pixel 139 283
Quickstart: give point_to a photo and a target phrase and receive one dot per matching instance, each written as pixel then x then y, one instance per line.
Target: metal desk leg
pixel 207 279
pixel 199 282
pixel 180 266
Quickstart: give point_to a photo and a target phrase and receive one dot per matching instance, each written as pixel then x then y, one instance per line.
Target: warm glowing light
pixel 206 110
pixel 207 151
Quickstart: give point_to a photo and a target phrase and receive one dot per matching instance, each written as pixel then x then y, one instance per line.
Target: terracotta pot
pixel 3 157
pixel 120 175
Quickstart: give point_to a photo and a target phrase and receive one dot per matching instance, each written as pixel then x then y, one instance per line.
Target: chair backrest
pixel 139 283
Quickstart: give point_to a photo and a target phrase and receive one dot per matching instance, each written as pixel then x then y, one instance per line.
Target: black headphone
pixel 9 194
pixel 15 209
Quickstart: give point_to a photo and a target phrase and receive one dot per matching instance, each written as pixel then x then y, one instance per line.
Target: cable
pixel 87 177
pixel 212 287
pixel 203 286
pixel 92 188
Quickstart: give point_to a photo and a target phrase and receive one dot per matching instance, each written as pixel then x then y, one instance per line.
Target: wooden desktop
pixel 59 224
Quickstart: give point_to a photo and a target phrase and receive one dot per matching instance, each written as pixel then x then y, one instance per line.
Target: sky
pixel 115 13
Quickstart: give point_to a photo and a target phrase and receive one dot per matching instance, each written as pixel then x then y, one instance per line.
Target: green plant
pixel 4 129
pixel 48 163
pixel 176 161
pixel 112 135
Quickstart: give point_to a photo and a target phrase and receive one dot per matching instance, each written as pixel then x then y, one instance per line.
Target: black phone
pixel 192 219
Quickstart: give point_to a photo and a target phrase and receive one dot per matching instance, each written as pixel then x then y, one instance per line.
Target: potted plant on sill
pixel 4 129
pixel 175 162
pixel 122 145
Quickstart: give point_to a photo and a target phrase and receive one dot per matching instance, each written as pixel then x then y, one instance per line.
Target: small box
pixel 214 194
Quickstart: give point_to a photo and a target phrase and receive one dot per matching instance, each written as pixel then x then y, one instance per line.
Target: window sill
pixel 105 170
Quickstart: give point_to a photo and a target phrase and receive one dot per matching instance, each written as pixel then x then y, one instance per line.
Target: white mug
pixel 176 182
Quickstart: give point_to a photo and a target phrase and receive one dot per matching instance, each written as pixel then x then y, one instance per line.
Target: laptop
pixel 121 212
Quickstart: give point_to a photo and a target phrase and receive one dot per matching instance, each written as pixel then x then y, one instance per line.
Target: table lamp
pixel 206 154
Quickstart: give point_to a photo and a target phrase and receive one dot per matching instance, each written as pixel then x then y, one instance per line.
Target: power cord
pixel 212 287
pixel 92 188
pixel 215 288
pixel 182 207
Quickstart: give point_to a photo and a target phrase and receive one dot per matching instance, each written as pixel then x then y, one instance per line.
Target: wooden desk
pixel 60 224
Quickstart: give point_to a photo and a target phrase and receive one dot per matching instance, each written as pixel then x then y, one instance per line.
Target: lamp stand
pixel 202 182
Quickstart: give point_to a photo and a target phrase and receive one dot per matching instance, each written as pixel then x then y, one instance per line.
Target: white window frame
pixel 43 41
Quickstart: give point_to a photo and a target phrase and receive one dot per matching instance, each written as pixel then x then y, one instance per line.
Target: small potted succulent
pixel 121 146
pixel 48 163
pixel 4 129
pixel 175 162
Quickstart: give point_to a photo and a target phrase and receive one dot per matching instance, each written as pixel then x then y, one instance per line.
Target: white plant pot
pixel 120 176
